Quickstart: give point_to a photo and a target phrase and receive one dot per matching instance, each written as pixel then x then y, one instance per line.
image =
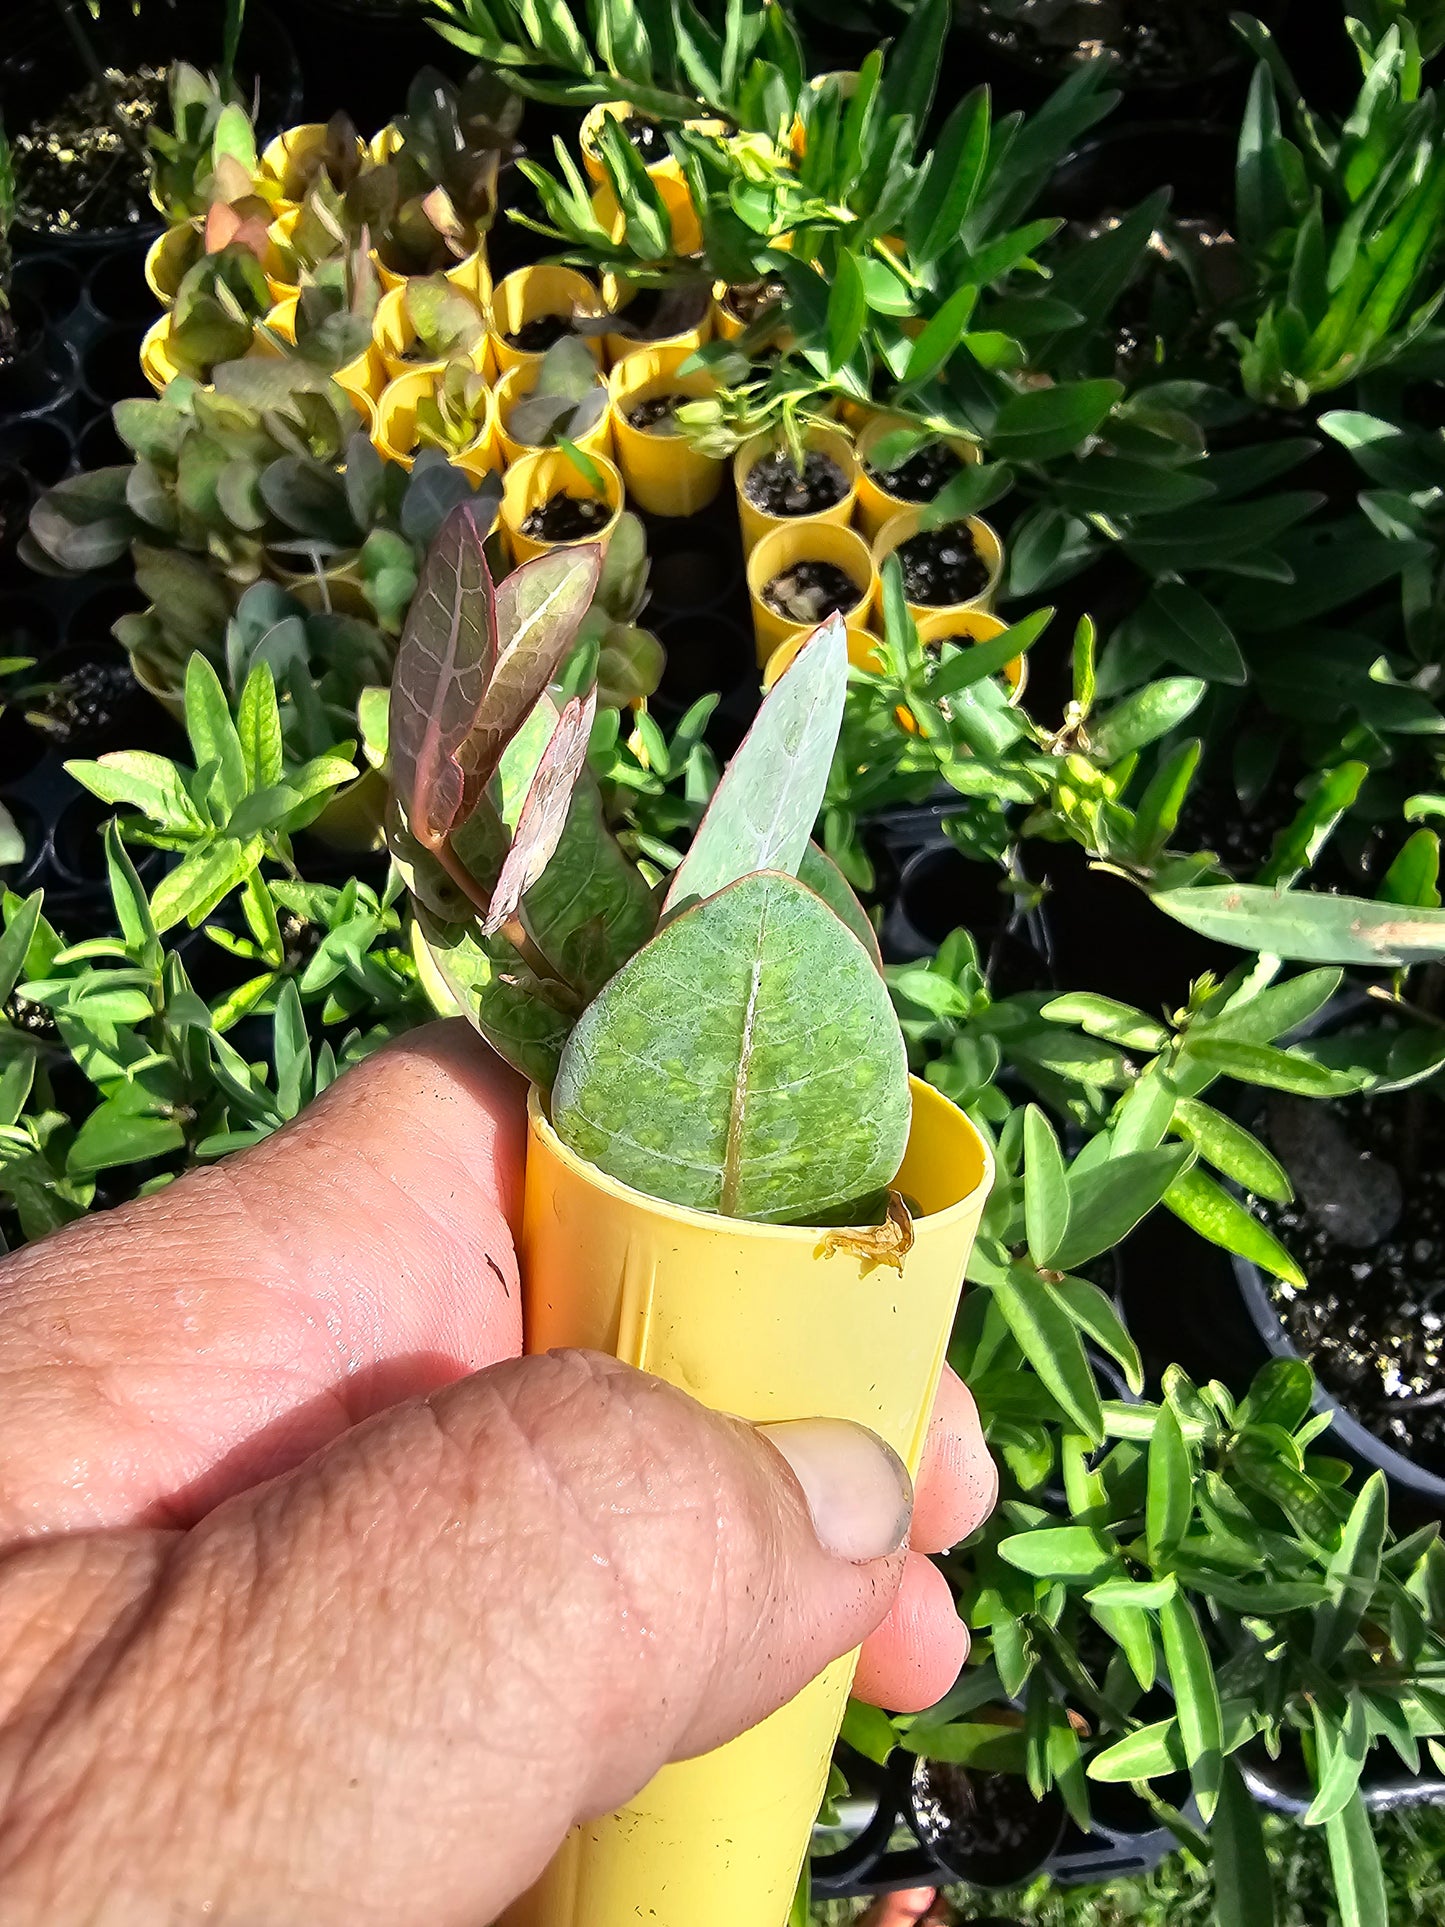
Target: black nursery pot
pixel 983 1828
pixel 41 373
pixel 96 703
pixel 43 71
pixel 940 890
pixel 358 56
pixel 1116 169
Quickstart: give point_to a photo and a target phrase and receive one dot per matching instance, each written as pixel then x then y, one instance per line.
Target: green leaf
pixel 1414 877
pixel 199 881
pixel 115 1134
pixel 1046 1188
pixel 940 337
pixel 1092 1310
pixel 1232 1150
pixel 956 169
pixel 1107 1201
pixel 1355 1864
pixel 715 1070
pixel 1104 1017
pixel 214 742
pixel 1340 1754
pixel 1353 1572
pixel 1201 1721
pixel 258 724
pixel 1189 631
pixel 1196 1200
pixel 847 312
pixel 825 879
pixel 1049 1340
pixel 1276 1070
pixel 1146 1595
pixel 144 781
pixel 1308 927
pixel 1142 718
pixel 1148 1753
pixel 762 813
pixel 127 893
pixel 1062 1552
pixel 1043 423
pixel 1243 1876
pixel 1170 1489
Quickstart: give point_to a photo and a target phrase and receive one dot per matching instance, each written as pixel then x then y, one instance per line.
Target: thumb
pixel 385 1685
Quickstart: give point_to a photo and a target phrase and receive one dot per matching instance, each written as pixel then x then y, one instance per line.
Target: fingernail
pixel 858 1489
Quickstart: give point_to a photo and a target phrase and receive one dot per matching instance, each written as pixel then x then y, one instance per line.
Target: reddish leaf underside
pixel 544 813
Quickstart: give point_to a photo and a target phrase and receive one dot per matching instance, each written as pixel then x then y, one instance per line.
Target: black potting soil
pixel 536 336
pixel 775 486
pixel 752 298
pixel 942 566
pixel 1367 1228
pixel 1154 46
pixel 921 476
pixel 657 415
pixel 646 136
pixel 85 703
pixel 76 172
pixel 810 592
pixel 566 518
pixel 987 1823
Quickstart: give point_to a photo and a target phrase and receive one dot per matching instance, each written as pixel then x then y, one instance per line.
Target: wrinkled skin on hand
pixel 317 1603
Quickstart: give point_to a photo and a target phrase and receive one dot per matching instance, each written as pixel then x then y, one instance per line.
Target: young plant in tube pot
pixel 731 1182
pixel 567 403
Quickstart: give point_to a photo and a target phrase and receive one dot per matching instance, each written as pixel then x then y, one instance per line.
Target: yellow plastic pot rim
pixel 923 1094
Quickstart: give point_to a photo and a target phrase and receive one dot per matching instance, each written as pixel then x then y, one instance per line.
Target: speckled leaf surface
pixel 763 811
pixel 746 1061
pixel 499 995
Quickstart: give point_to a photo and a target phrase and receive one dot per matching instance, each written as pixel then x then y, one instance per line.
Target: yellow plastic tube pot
pixel 169 256
pixel 974 625
pixel 340 589
pixel 862 652
pixel 907 524
pixel 156 361
pixel 755 522
pixel 768 1323
pixel 806 541
pixel 876 506
pixel 291 160
pixel 673 349
pixel 664 473
pixel 515 386
pixel 395 437
pixel 532 481
pixel 394 338
pixel 526 293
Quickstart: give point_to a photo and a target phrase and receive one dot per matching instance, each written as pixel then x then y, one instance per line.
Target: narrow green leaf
pixel 1062 1552
pixel 1355 1864
pixel 1354 1571
pixel 1170 1493
pixel 1201 1721
pixel 1196 1200
pixel 940 337
pixel 1232 1150
pixel 1050 1342
pixel 1243 1876
pixel 1046 1189
pixel 1309 927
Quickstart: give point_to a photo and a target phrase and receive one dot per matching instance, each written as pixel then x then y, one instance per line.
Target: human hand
pixel 319 1604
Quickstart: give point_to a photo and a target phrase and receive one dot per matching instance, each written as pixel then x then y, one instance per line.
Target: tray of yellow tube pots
pixel 665 474
pixel 901 465
pixel 964 626
pixel 534 307
pixel 801 574
pixel 451 408
pixel 561 396
pixel 774 492
pixel 955 565
pixel 554 497
pixel 429 321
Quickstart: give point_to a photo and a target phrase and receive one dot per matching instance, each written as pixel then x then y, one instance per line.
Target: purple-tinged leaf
pixel 536 614
pixel 443 671
pixel 544 814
